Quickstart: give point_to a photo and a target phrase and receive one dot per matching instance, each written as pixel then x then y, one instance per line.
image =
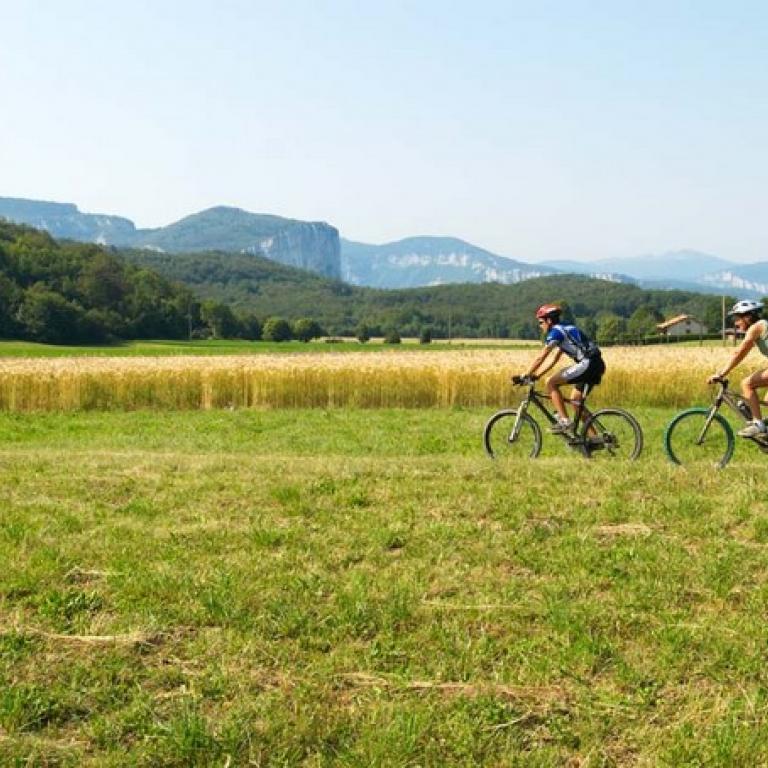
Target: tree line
pixel 612 311
pixel 66 292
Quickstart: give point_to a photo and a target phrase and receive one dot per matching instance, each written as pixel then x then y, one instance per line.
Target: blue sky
pixel 537 130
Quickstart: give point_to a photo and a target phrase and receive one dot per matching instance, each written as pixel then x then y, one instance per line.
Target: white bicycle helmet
pixel 745 307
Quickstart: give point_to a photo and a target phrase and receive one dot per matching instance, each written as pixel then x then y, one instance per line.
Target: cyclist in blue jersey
pixel 587 368
pixel 746 318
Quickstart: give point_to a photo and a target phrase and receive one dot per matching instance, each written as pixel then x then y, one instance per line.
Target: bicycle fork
pixel 518 425
pixel 705 428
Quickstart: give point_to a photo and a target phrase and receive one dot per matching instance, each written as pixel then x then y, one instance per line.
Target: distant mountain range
pixel 420 261
pixel 309 245
pixel 684 270
pixel 412 262
pixel 677 265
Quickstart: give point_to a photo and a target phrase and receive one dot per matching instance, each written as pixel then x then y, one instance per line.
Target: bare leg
pixel 749 387
pixel 553 384
pixel 576 397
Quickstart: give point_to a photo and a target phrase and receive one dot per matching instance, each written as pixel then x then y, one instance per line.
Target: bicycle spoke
pixel 508 438
pixel 612 433
pixel 700 438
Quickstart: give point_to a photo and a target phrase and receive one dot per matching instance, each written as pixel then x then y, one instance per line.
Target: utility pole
pixel 723 318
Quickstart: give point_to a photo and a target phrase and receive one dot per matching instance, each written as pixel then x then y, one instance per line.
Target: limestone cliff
pixel 309 245
pixel 64 221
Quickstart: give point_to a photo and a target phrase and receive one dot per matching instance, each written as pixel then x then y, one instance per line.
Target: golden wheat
pixel 671 376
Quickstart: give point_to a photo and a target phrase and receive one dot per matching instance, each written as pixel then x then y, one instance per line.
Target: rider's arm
pixel 552 364
pixel 540 358
pixel 750 339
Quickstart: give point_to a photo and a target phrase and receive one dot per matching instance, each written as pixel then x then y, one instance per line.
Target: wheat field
pixel 656 376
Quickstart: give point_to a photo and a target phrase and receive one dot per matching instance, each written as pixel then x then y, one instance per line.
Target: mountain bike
pixel 703 436
pixel 513 433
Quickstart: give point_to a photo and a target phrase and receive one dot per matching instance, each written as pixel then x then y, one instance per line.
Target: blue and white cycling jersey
pixel 575 343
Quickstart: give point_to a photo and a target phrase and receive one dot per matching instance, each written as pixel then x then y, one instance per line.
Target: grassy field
pixel 364 588
pixel 160 348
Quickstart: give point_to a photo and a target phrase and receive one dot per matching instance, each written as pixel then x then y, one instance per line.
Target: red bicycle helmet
pixel 548 310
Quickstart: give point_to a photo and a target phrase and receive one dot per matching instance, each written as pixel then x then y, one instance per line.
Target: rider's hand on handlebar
pixel 523 379
pixel 715 378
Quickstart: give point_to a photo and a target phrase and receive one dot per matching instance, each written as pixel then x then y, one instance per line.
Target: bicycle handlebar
pixel 523 381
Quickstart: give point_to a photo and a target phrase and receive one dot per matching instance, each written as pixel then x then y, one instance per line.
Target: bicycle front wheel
pixel 612 433
pixel 506 438
pixel 697 437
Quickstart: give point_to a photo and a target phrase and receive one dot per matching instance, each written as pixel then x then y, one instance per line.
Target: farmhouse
pixel 682 325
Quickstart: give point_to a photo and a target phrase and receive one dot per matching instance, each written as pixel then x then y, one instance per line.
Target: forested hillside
pixel 65 292
pixel 487 309
pixel 75 292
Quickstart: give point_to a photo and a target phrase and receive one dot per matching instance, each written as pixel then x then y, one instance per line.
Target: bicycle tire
pixel 618 435
pixel 682 435
pixel 498 430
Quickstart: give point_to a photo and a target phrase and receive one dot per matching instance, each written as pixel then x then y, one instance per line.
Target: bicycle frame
pixel 581 413
pixel 733 401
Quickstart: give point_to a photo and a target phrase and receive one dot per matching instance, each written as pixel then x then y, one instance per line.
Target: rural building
pixel 682 325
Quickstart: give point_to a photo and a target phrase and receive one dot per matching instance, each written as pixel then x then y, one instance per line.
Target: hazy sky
pixel 546 129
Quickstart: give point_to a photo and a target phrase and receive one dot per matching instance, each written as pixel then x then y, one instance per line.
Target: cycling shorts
pixel 588 371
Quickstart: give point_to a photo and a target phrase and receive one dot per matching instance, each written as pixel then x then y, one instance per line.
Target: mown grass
pixel 160 347
pixel 364 588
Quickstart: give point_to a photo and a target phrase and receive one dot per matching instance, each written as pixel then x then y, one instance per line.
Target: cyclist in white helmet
pixel 746 318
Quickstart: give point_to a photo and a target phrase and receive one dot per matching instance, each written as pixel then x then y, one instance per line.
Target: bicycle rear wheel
pixel 612 433
pixel 503 445
pixel 693 439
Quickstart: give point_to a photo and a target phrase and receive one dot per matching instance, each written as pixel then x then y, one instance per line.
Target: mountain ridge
pixel 409 262
pixel 429 260
pixel 308 245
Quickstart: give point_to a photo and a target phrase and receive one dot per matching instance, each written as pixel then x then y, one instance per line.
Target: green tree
pixel 48 317
pixel 524 330
pixel 363 333
pixel 425 335
pixel 250 326
pixel 276 329
pixel 642 322
pixel 220 319
pixel 588 325
pixel 102 281
pixel 305 329
pixel 101 325
pixel 150 308
pixel 610 328
pixel 712 314
pixel 392 336
pixel 10 297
